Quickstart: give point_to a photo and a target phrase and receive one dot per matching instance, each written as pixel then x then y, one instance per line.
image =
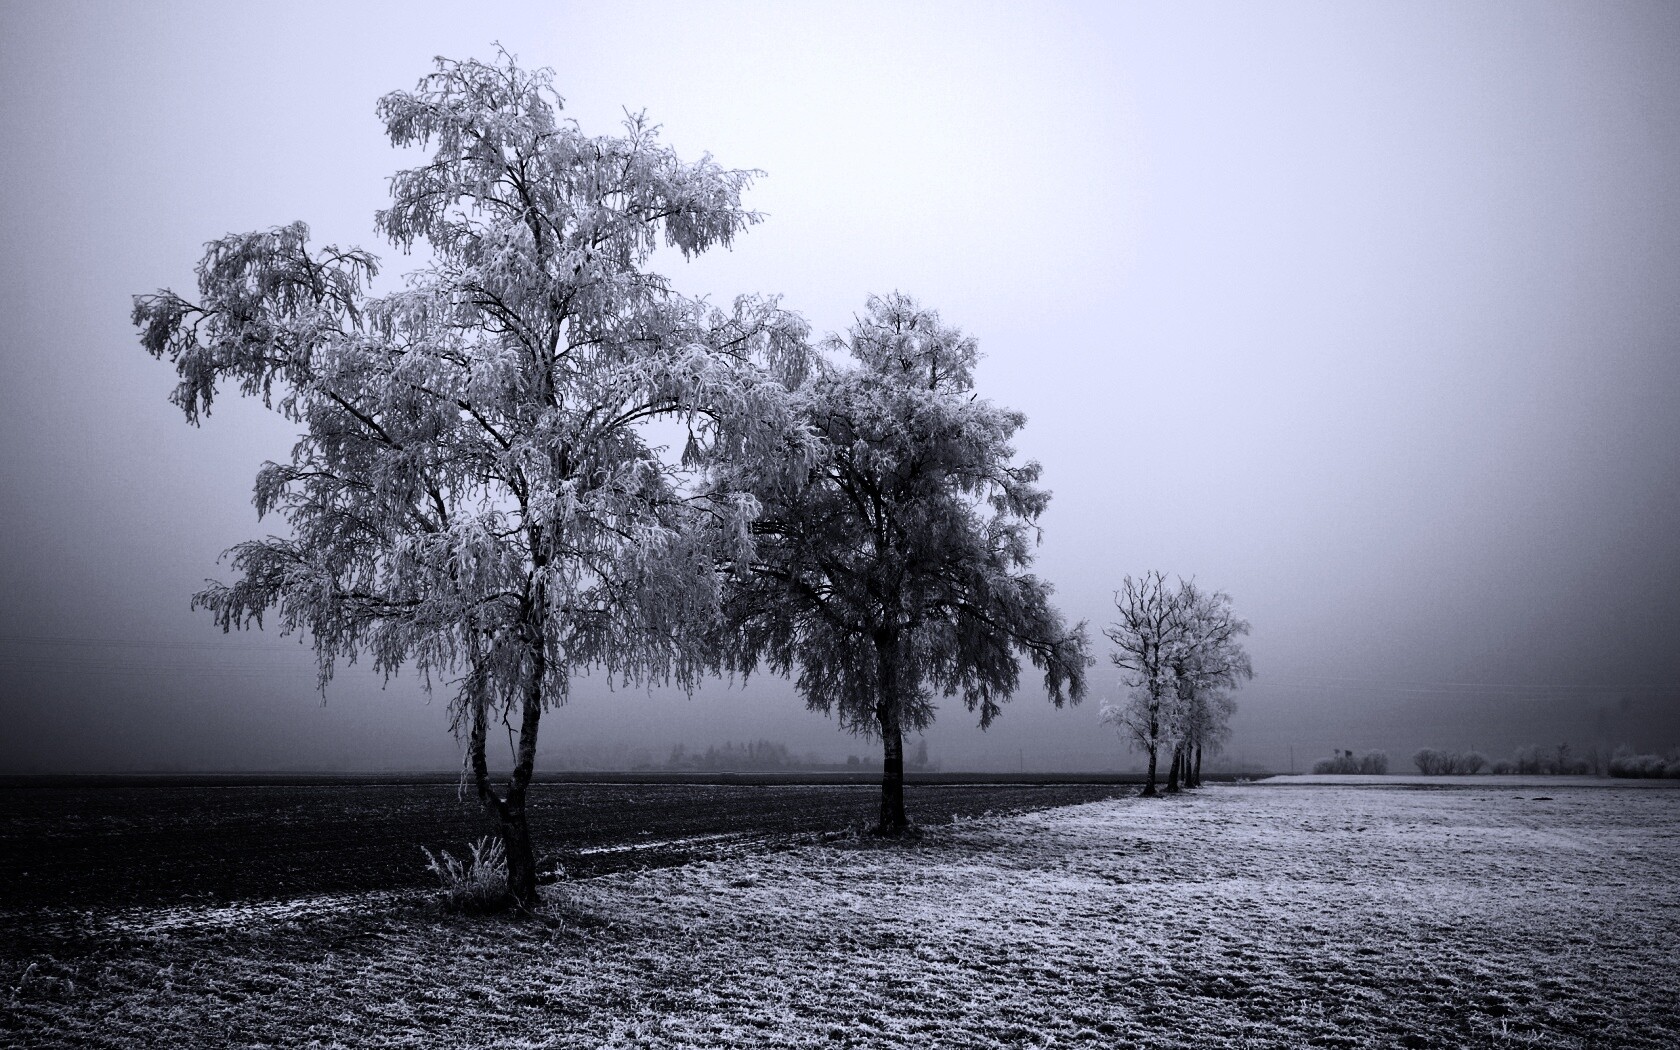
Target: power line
pixel 1450 687
pixel 146 643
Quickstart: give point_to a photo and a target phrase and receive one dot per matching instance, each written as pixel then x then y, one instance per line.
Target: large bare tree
pixel 474 492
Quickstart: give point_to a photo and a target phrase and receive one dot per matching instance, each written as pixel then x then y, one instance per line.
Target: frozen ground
pixel 1479 780
pixel 1238 916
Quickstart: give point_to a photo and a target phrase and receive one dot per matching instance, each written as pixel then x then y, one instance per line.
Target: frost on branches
pixel 474 491
pixel 894 569
pixel 1179 653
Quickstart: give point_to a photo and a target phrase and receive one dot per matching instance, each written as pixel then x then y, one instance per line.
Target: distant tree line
pixel 1369 763
pixel 1435 763
pixel 1558 760
pixel 773 756
pixel 1561 760
pixel 1625 763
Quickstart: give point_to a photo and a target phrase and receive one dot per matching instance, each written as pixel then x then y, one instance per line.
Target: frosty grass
pixel 1234 916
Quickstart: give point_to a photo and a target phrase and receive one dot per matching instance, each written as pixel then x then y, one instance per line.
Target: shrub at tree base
pixel 475 885
pixel 1371 763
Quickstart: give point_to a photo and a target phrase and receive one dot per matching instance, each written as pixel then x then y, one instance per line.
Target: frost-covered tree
pixel 475 492
pixel 1207 728
pixel 1178 652
pixel 1207 661
pixel 894 570
pixel 1146 637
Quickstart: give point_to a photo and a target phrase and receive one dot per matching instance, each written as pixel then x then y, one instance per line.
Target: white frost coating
pixel 1230 917
pixel 249 915
pixel 638 847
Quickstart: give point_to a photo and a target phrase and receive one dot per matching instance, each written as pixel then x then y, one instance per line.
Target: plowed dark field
pixel 137 844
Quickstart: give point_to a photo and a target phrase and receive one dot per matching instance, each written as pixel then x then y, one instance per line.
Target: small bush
pixel 1624 763
pixel 1371 763
pixel 476 884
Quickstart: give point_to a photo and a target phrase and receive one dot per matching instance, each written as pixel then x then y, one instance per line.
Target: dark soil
pixel 129 845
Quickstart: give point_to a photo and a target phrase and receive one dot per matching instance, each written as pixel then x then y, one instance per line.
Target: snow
pixel 143 921
pixel 1480 780
pixel 653 845
pixel 1234 916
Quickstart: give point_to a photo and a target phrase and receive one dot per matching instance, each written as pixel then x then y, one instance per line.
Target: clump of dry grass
pixel 476 883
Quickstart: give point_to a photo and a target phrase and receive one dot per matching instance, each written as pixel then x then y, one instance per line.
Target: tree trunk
pixel 1198 773
pixel 894 823
pixel 1154 752
pixel 521 860
pixel 1173 770
pixel 509 811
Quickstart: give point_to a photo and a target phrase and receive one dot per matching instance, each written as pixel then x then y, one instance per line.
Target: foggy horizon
pixel 1365 315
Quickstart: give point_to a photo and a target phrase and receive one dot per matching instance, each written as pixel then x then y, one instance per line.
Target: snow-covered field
pixel 1235 916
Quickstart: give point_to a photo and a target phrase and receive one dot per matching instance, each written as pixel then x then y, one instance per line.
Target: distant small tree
pixel 919 760
pixel 1208 728
pixel 1147 634
pixel 474 492
pixel 1208 661
pixel 894 569
pixel 1179 651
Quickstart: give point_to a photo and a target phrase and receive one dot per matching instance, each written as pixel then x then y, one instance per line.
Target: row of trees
pixel 478 492
pixel 1179 651
pixel 772 756
pixel 1530 759
pixel 1368 763
pixel 1433 762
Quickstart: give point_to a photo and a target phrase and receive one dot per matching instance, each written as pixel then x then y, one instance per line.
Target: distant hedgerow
pixel 1559 760
pixel 1371 763
pixel 1624 763
pixel 476 884
pixel 1434 763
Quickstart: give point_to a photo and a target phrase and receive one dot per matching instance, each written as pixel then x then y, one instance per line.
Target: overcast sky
pixel 1368 314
